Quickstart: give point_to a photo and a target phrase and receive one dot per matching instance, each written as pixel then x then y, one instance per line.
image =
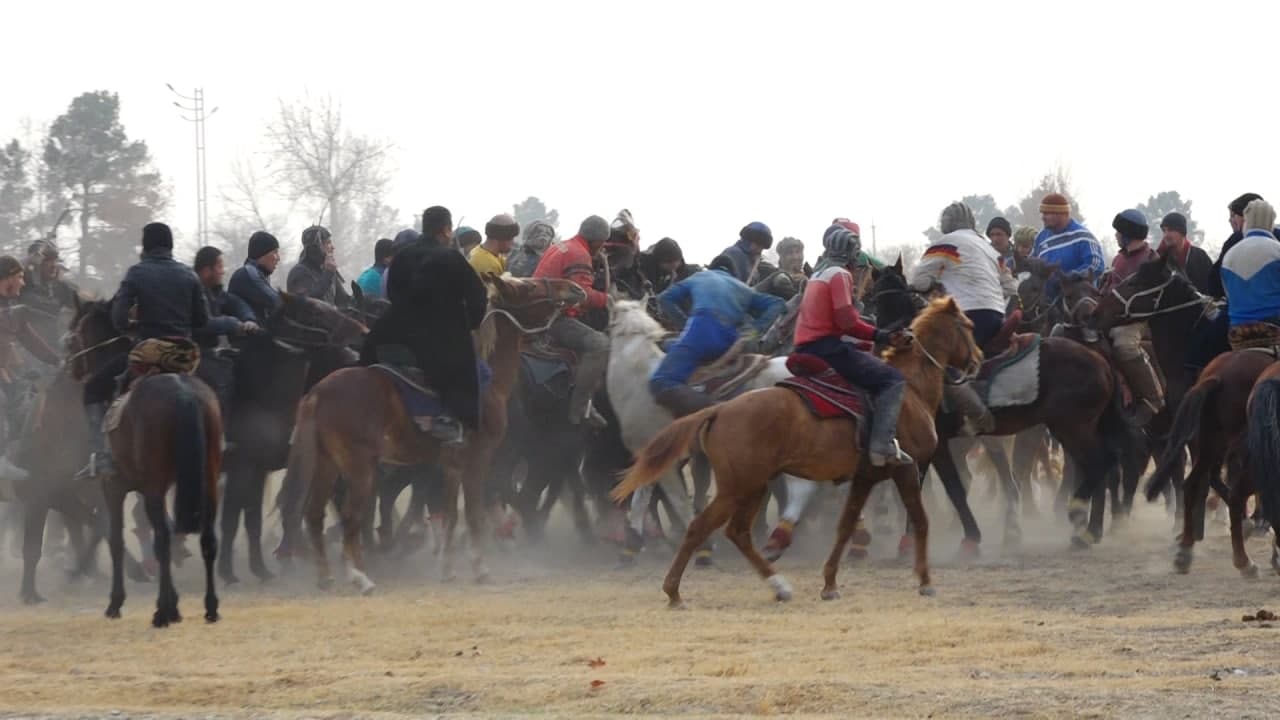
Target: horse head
pixel 945 334
pixel 1158 287
pixel 308 321
pixel 1079 297
pixel 92 337
pixel 892 300
pixel 531 302
pixel 1031 293
pixel 631 317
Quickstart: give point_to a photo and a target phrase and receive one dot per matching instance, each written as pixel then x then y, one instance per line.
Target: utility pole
pixel 874 253
pixel 194 113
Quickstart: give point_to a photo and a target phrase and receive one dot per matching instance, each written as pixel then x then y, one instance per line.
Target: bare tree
pixel 245 210
pixel 319 161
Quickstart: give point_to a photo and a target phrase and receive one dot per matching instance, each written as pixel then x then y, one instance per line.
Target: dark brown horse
pixel 1263 456
pixel 354 419
pixel 169 435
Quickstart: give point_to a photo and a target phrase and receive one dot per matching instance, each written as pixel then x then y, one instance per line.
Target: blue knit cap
pixel 1131 224
pixel 757 232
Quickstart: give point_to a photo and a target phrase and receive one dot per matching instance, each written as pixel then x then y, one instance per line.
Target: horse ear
pixel 356 293
pixel 951 305
pixel 898 264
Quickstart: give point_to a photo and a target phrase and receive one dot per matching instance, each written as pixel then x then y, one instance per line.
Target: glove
pixel 250 328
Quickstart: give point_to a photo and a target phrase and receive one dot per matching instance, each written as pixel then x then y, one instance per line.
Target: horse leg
pixel 114 496
pixel 859 489
pixel 799 493
pixel 995 448
pixel 354 508
pixel 473 481
pixel 578 499
pixel 945 465
pixel 320 490
pixel 700 470
pixel 36 512
pixel 1025 447
pixel 1241 485
pixel 1196 492
pixel 739 533
pixel 232 504
pixel 209 553
pixel 452 485
pixel 255 488
pixel 167 598
pixel 707 522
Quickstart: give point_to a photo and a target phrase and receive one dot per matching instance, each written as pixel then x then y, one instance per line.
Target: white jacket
pixel 966 264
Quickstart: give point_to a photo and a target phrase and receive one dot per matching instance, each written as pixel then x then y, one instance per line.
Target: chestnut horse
pixel 169 435
pixel 751 439
pixel 1264 452
pixel 354 419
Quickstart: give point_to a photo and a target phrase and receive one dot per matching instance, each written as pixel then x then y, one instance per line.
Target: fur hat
pixel 594 229
pixel 1131 224
pixel 1174 221
pixel 405 238
pixel 957 216
pixel 315 235
pixel 1055 203
pixel 1238 205
pixel 1259 215
pixel 261 243
pixel 502 227
pixel 999 223
pixel 1024 236
pixel 156 236
pixel 624 221
pixel 539 235
pixel 667 250
pixel 465 235
pixel 789 242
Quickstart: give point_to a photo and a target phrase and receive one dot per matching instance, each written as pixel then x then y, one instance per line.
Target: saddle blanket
pixel 115 411
pixel 1012 379
pixel 419 400
pixel 826 393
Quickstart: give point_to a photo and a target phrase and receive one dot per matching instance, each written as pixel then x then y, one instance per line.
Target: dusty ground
pixel 1038 633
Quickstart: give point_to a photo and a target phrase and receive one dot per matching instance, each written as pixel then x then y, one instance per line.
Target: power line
pixel 194 113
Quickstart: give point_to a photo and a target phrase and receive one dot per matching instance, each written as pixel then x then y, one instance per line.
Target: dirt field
pixel 1040 633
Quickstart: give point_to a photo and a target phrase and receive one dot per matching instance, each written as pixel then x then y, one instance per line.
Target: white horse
pixel 634 354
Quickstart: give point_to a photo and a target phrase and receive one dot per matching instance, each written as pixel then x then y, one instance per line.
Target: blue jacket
pixel 719 294
pixel 226 314
pixel 169 298
pixel 739 254
pixel 249 283
pixel 370 281
pixel 1074 250
pixel 1251 277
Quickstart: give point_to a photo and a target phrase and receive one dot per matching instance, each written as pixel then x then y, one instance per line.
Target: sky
pixel 697 116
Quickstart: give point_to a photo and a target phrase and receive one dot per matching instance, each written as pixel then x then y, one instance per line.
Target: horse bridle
pixel 1158 290
pixel 560 305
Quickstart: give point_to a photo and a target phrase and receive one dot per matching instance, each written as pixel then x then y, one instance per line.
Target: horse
pixel 1263 446
pixel 752 438
pixel 355 418
pixel 169 435
pixel 272 374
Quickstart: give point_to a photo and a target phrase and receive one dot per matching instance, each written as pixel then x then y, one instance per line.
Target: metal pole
pixel 198 117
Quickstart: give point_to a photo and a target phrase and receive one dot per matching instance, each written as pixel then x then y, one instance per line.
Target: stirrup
pixel 443 428
pixel 899 457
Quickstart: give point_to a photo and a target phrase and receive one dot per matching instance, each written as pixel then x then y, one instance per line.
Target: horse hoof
pixel 969 549
pixel 676 604
pixel 212 617
pixel 626 561
pixel 32 598
pixel 906 546
pixel 1079 543
pixel 367 590
pixel 830 594
pixel 325 583
pixel 229 579
pixel 857 554
pixel 781 588
pixel 705 561
pixel 1182 563
pixel 159 620
pixel 263 574
pixel 484 578
pixel 927 591
pixel 1249 572
pixel 113 612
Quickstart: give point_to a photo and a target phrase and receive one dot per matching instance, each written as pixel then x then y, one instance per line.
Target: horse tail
pixel 1264 446
pixel 302 461
pixel 1186 425
pixel 664 450
pixel 191 461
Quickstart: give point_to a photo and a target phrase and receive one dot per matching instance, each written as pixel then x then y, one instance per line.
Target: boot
pixel 964 399
pixel 884 447
pixel 1148 396
pixel 681 400
pixel 100 462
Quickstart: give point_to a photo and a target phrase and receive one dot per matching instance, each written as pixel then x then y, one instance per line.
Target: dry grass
pixel 1044 633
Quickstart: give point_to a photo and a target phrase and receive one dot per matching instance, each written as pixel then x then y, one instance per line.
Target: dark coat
pixel 227 313
pixel 249 283
pixel 310 279
pixel 1200 270
pixel 437 300
pixel 169 298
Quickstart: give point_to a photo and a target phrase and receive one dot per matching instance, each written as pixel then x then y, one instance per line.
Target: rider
pixel 571 260
pixel 500 236
pixel 827 314
pixel 968 268
pixel 250 281
pixel 370 281
pixel 15 328
pixel 1000 233
pixel 1192 260
pixel 621 252
pixel 45 291
pixel 538 236
pixel 1024 244
pixel 1126 340
pixel 160 300
pixel 721 303
pixel 316 274
pixel 467 239
pixel 744 255
pixel 1065 243
pixel 785 280
pixel 1251 278
pixel 661 264
pixel 437 300
pixel 228 316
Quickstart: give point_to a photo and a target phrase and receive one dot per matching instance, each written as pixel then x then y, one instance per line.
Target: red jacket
pixel 827 309
pixel 571 260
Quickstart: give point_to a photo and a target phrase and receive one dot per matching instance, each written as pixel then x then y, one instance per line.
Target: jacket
pixel 1251 277
pixel 483 261
pixel 1074 250
pixel 1125 264
pixel 169 298
pixel 370 281
pixel 716 293
pixel 966 264
pixel 571 260
pixel 827 310
pixel 523 261
pixel 313 281
pixel 14 328
pixel 249 283
pixel 744 265
pixel 227 313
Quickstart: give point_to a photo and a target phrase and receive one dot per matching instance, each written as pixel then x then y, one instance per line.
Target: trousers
pixel 704 339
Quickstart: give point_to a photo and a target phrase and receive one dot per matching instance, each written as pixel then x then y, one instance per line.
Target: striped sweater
pixel 1074 250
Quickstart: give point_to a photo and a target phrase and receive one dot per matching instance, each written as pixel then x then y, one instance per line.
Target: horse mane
pixel 631 317
pixel 936 312
pixel 485 337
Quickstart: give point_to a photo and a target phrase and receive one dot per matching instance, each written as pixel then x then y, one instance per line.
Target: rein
pixel 105 343
pixel 1158 291
pixel 555 314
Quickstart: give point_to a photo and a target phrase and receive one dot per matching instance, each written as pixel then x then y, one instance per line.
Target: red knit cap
pixel 849 225
pixel 1055 203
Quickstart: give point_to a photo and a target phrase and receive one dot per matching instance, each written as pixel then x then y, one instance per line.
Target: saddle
pixel 1258 336
pixel 419 400
pixel 825 392
pixel 164 355
pixel 1011 378
pixel 728 373
pixel 1001 341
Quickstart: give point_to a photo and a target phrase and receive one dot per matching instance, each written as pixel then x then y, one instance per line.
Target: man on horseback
pixel 45 291
pixel 490 256
pixel 229 316
pixel 370 281
pixel 1251 278
pixel 967 268
pixel 1066 243
pixel 827 315
pixel 1193 261
pixel 250 281
pixel 1126 340
pixel 1212 337
pixel 1000 234
pixel 538 236
pixel 14 328
pixel 160 300
pixel 572 260
pixel 787 279
pixel 744 255
pixel 316 274
pixel 721 303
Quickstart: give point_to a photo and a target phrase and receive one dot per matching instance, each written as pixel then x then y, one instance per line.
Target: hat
pixel 624 221
pixel 999 223
pixel 262 243
pixel 539 235
pixel 405 238
pixel 1238 205
pixel 594 229
pixel 467 236
pixel 1024 236
pixel 315 235
pixel 1131 224
pixel 789 242
pixel 502 227
pixel 849 225
pixel 757 232
pixel 9 266
pixel 1174 221
pixel 44 249
pixel 840 245
pixel 1055 203
pixel 666 250
pixel 956 216
pixel 1259 215
pixel 156 236
pixel 383 249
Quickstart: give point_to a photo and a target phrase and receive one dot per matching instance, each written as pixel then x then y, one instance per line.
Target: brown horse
pixel 1212 418
pixel 169 435
pixel 354 419
pixel 1263 455
pixel 754 437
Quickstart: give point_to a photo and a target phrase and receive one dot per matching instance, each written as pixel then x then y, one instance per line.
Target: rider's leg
pixel 99 391
pixel 592 349
pixel 1126 346
pixel 883 381
pixel 704 339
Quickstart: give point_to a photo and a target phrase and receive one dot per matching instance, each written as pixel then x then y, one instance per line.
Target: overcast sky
pixel 698 116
